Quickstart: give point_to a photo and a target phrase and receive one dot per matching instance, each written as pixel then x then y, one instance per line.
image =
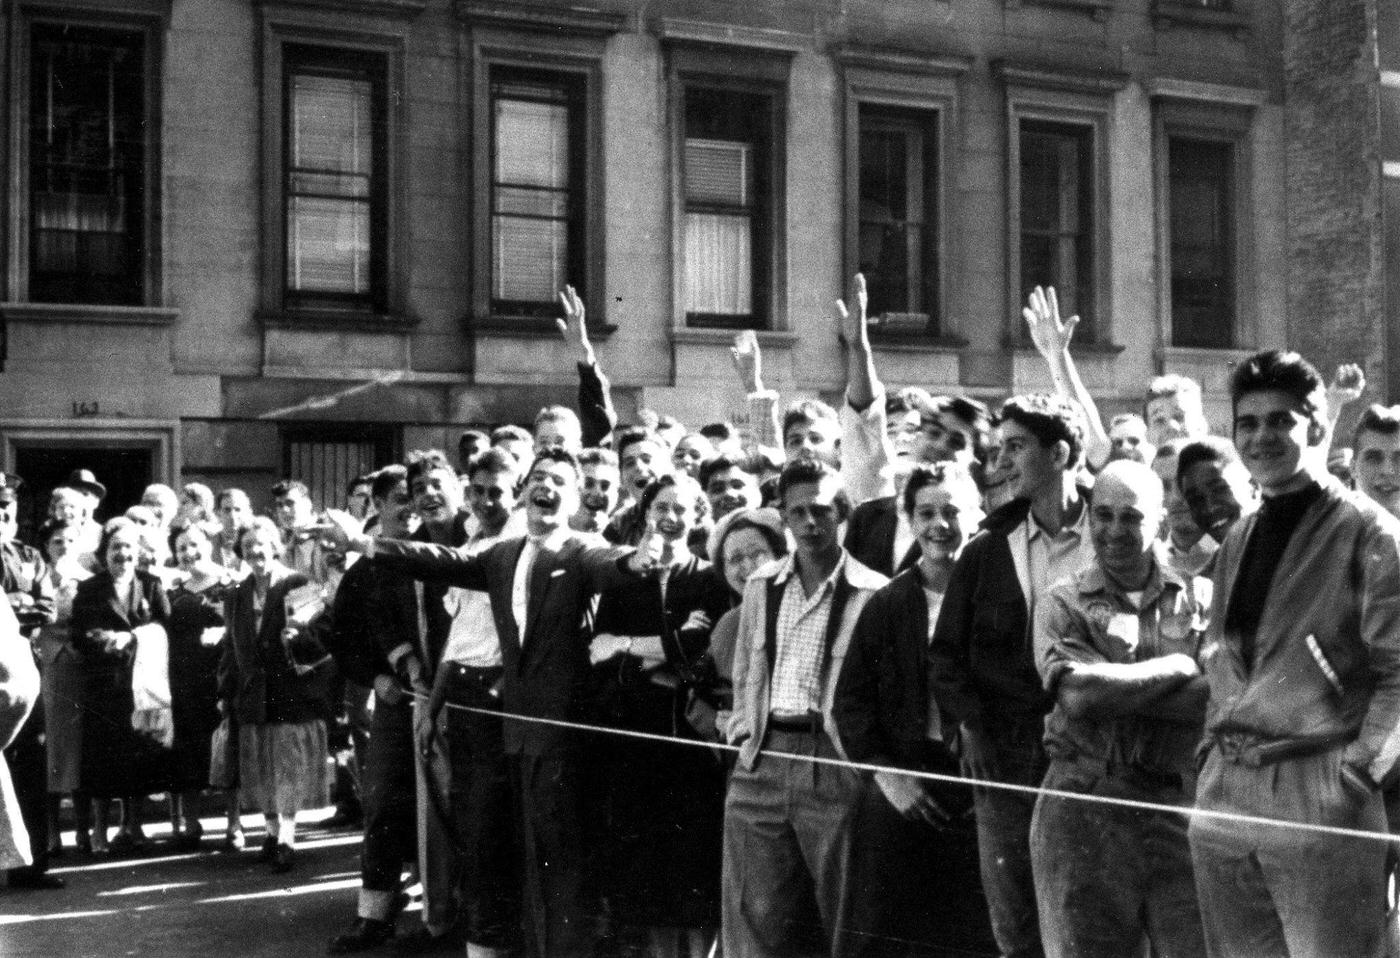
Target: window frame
pixel 577 64
pixel 930 85
pixel 1230 123
pixel 316 60
pixel 1071 99
pixel 149 18
pixel 747 71
pixel 358 37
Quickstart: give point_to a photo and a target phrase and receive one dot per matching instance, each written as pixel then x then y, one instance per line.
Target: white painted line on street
pixel 342 885
pixel 146 889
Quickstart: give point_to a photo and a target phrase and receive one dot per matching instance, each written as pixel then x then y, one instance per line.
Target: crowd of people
pixel 638 689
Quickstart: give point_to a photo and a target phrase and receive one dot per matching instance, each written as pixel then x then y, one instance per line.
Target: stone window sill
pixel 83 313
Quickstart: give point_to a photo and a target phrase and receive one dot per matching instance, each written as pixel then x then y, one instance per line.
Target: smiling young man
pixel 1215 485
pixel 1377 456
pixel 786 823
pixel 1116 645
pixel 541 586
pixel 981 669
pixel 1304 669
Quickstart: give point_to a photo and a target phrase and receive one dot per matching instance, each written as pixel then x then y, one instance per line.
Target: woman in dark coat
pixel 113 612
pixel 663 805
pixel 275 677
pixel 196 631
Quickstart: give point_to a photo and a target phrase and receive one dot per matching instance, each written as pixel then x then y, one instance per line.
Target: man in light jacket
pixel 789 822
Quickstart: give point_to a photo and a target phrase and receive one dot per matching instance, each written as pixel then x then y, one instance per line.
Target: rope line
pixel 1138 804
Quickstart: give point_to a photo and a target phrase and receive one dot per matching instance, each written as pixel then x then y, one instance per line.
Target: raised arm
pixel 1347 386
pixel 1051 337
pixel 762 403
pixel 595 405
pixel 867 457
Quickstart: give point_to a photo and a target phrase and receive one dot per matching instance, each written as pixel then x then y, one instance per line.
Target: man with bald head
pixel 1117 646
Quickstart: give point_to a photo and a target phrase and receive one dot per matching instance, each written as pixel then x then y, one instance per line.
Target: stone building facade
pixel 247 238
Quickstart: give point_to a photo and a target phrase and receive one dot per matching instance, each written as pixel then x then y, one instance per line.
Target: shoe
pixel 188 841
pixel 83 843
pixel 345 817
pixel 29 879
pixel 366 934
pixel 268 851
pixel 283 858
pixel 127 843
pixel 234 840
pixel 420 941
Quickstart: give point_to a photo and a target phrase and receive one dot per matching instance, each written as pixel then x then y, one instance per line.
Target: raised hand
pixel 573 326
pixel 748 360
pixel 1050 335
pixel 1347 385
pixel 852 313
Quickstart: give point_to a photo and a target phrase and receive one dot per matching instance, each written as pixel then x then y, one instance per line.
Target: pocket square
pixel 556 573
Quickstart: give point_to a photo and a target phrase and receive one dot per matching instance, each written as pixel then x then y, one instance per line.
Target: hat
pixel 9 487
pixel 84 480
pixel 765 517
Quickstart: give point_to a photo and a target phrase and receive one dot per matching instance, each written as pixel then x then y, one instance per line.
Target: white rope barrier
pixel 1137 804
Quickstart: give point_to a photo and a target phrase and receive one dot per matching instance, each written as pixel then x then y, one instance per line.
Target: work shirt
pixel 1087 620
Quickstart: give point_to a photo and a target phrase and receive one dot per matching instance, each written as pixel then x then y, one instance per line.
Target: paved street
pixel 175 906
pixel 213 904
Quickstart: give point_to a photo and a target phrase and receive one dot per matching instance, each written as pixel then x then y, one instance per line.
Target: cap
pixel 84 479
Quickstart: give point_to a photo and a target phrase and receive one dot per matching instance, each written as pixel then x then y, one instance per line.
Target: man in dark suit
pixel 541 587
pixel 950 429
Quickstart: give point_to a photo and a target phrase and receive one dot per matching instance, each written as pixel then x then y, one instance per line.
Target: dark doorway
pixel 125 471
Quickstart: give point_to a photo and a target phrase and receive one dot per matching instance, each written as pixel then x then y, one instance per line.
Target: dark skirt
pixel 117 760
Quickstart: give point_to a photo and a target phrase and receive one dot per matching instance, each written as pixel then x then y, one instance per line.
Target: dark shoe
pixel 234 841
pixel 189 841
pixel 83 843
pixel 283 858
pixel 345 817
pixel 366 934
pixel 28 878
pixel 268 852
pixel 127 844
pixel 423 942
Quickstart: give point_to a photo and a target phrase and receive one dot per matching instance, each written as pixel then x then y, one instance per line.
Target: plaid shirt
pixel 801 638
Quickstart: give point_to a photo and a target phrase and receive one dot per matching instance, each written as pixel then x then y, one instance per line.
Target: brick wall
pixel 1335 255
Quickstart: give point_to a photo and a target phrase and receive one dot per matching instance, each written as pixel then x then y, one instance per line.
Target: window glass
pixel 87 159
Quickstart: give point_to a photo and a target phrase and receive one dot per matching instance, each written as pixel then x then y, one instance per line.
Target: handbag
pixel 223 771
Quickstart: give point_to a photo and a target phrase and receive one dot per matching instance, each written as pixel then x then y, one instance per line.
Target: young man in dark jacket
pixel 982 670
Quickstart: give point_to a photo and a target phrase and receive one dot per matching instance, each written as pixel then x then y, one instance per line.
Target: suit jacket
pixel 353 642
pixel 757 648
pixel 870 536
pixel 23 569
pixel 256 675
pixel 545 674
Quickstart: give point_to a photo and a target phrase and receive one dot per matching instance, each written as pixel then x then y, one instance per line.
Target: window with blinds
pixel 537 175
pixel 898 189
pixel 1200 200
pixel 724 158
pixel 334 193
pixel 1057 216
pixel 87 165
